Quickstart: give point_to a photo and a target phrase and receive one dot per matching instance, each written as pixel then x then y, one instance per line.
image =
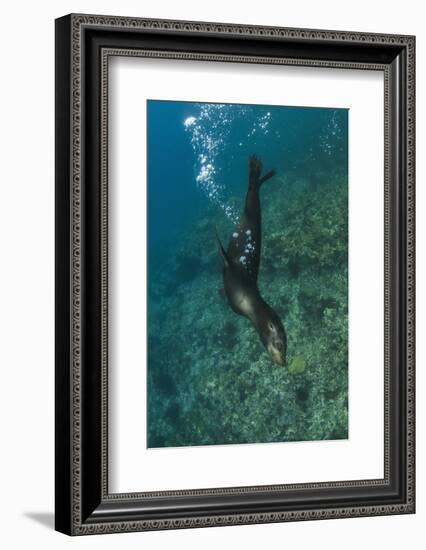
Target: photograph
pixel 247 298
pixel 235 273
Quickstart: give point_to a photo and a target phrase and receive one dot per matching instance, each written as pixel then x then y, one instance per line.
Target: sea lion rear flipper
pixel 267 176
pixel 255 166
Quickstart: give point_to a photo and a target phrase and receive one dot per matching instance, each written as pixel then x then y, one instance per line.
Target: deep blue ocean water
pixel 210 380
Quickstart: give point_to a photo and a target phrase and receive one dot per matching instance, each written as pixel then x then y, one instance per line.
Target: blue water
pixel 210 380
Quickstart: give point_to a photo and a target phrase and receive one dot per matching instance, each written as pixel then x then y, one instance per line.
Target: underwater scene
pixel 247 317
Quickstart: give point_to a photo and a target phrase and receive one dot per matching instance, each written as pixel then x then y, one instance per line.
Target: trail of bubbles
pixel 332 138
pixel 209 135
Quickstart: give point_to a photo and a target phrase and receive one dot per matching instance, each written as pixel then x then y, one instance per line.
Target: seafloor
pixel 210 380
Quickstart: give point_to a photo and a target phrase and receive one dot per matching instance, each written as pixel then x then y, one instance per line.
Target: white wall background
pixel 26 287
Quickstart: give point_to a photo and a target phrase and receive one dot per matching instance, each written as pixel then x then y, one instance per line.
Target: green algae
pixel 297 365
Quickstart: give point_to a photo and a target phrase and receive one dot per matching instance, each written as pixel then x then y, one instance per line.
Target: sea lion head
pixel 274 338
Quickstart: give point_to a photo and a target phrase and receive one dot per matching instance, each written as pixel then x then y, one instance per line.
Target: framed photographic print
pixel 234 274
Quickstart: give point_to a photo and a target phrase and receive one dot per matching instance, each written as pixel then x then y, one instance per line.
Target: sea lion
pixel 241 267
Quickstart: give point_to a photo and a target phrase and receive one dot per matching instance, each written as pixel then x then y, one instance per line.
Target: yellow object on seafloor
pixel 297 365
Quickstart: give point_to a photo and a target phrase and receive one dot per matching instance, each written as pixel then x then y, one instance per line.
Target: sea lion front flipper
pixel 222 294
pixel 221 249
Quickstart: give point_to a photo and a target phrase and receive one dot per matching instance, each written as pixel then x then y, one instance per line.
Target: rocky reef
pixel 210 380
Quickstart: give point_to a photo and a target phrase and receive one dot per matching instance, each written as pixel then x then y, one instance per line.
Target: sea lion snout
pixel 277 353
pixel 276 340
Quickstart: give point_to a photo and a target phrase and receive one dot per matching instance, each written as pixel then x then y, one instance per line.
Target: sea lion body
pixel 242 296
pixel 241 268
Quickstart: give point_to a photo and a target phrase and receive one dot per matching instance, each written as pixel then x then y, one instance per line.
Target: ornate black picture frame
pixel 84 44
